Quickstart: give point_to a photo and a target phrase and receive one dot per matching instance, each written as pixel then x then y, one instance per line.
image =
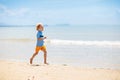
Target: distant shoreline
pixel 31 25
pixel 16 25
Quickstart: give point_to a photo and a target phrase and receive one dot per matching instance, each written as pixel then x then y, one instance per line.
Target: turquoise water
pixel 84 32
pixel 73 32
pixel 85 46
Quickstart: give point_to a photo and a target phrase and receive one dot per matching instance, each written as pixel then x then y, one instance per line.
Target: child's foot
pixel 46 63
pixel 31 60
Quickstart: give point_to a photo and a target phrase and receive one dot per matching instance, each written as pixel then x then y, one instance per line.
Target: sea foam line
pixel 73 42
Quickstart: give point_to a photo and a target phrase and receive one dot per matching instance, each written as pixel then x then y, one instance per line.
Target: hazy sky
pixel 60 11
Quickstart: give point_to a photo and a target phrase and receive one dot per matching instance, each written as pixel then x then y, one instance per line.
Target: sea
pixel 92 46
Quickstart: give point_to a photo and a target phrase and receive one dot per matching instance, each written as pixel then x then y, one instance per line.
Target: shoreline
pixel 11 70
pixel 85 65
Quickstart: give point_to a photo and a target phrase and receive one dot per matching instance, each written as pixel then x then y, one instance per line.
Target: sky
pixel 29 12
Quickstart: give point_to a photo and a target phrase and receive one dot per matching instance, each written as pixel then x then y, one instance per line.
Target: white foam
pixel 73 42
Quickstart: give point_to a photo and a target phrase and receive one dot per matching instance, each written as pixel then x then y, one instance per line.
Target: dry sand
pixel 24 71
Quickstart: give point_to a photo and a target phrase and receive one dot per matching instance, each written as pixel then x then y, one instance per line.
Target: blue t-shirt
pixel 39 42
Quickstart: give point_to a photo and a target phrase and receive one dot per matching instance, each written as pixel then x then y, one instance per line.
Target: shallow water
pixel 79 46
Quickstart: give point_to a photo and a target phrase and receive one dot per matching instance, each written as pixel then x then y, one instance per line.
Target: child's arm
pixel 42 38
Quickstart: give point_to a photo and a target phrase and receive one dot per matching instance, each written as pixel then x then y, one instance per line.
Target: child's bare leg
pixel 45 57
pixel 31 59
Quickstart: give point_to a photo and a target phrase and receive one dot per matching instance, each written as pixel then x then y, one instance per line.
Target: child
pixel 40 44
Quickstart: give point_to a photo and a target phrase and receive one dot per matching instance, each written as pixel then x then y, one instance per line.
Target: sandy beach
pixel 11 70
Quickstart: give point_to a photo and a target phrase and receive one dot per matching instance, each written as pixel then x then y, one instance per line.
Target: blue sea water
pixel 73 32
pixel 78 45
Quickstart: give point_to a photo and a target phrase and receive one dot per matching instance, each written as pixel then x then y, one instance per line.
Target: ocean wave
pixel 70 42
pixel 80 42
